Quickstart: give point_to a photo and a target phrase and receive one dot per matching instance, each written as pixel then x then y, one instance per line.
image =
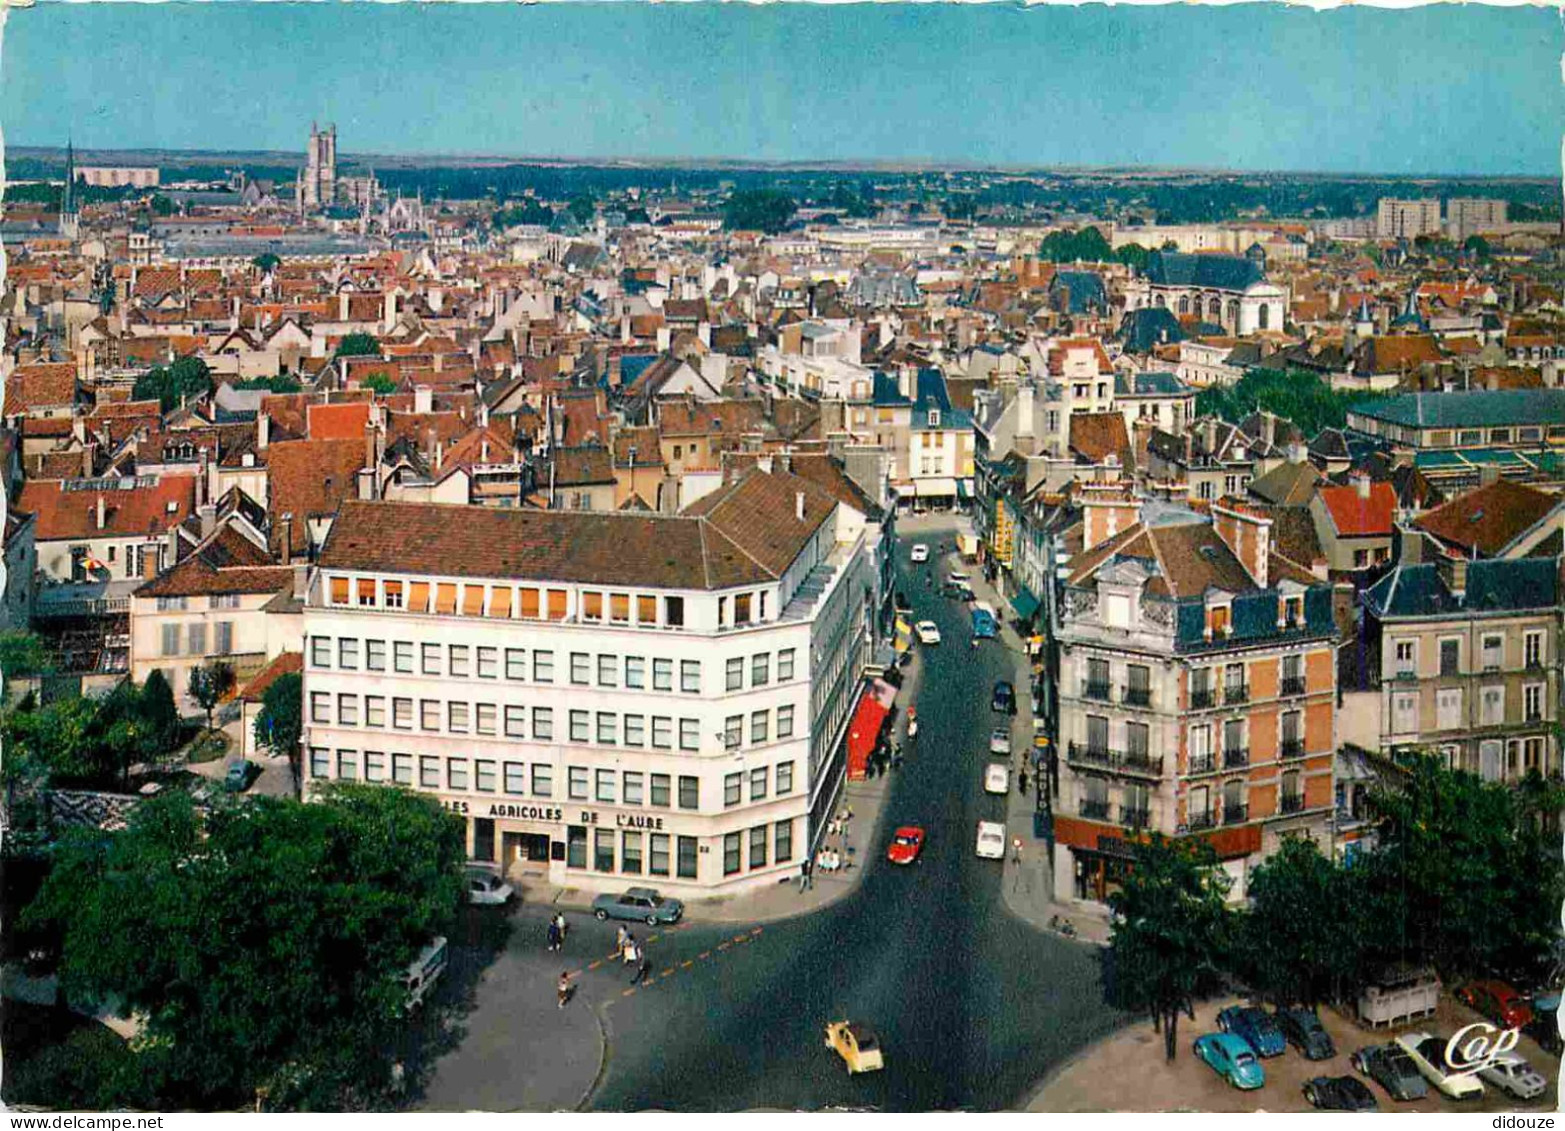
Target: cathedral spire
pixel 69 220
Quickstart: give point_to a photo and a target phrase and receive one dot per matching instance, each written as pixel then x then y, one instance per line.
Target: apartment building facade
pixel 1468 663
pixel 604 698
pixel 1197 690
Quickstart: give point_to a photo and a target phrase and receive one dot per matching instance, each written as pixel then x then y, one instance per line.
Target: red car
pixel 906 845
pixel 1499 1002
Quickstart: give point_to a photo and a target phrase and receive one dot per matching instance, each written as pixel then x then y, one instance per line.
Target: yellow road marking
pixel 724 945
pixel 667 972
pixel 705 954
pixel 755 930
pixel 686 965
pixel 627 993
pixel 595 965
pixel 740 938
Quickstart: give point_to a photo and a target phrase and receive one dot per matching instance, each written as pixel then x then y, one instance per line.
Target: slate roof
pixel 1086 291
pixel 1490 518
pixel 1480 409
pixel 1493 585
pixel 1149 385
pixel 1154 325
pixel 1219 272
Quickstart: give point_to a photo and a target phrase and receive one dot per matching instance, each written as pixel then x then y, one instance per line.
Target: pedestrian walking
pixel 562 926
pixel 564 988
pixel 804 876
pixel 554 936
pixel 628 951
pixel 1016 850
pixel 621 937
pixel 633 959
pixel 643 966
pixel 1022 782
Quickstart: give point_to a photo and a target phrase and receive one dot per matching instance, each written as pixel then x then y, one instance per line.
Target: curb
pixel 603 1059
pixel 1081 1054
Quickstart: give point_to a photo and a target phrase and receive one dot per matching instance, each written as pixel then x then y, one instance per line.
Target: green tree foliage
pixel 961 206
pixel 382 383
pixel 263 943
pixel 157 713
pixel 582 209
pixel 1301 397
pixel 281 383
pixel 56 743
pixel 358 345
pixel 1478 247
pixel 208 684
pixel 187 378
pixel 1471 881
pixel 1087 245
pixel 162 205
pixel 23 654
pixel 267 261
pixel 855 201
pixel 758 210
pixel 1171 931
pixel 279 724
pixel 529 211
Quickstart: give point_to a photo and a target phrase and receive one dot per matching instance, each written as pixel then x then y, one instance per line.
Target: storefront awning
pixel 935 488
pixel 864 732
pixel 1024 603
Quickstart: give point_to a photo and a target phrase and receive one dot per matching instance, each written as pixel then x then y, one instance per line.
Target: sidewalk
pixel 782 900
pixel 1028 886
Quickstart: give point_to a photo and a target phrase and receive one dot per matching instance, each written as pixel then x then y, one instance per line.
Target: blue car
pixel 1232 1059
pixel 1255 1027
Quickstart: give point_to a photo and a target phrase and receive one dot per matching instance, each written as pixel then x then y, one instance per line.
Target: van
pixel 424 971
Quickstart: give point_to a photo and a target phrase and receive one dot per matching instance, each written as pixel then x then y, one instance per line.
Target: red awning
pixel 863 733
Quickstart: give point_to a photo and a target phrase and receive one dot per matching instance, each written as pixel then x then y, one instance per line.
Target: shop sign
pixel 523 811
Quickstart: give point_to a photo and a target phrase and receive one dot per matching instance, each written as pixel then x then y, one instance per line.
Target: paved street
pixel 974 1007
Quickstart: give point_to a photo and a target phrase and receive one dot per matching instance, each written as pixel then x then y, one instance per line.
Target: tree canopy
pixel 209 682
pixel 1087 245
pixel 1301 397
pixel 1170 933
pixel 23 654
pixel 279 724
pixel 188 378
pixel 763 210
pixel 358 345
pixel 267 261
pixel 382 383
pixel 83 742
pixel 262 942
pixel 281 383
pixel 527 211
pixel 582 209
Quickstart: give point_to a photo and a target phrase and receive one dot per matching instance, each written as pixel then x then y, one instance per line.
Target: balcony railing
pixel 1293 685
pixel 1095 810
pixel 1120 761
pixel 1235 814
pixel 1099 691
pixel 1133 818
pixel 1293 748
pixel 1236 757
pixel 1534 716
pixel 1202 764
pixel 1136 696
pixel 1201 698
pixel 1291 802
pixel 1236 693
pixel 1205 820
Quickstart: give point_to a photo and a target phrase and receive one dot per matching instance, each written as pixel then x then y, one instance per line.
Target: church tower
pixel 70 220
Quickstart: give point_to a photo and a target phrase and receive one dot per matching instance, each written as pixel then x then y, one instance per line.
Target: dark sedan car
pixel 1255 1026
pixel 1004 698
pixel 1339 1093
pixel 1305 1032
pixel 1393 1070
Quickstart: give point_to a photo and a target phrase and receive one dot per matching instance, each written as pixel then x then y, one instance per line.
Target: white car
pixel 920 552
pixel 1514 1075
pixel 957 577
pixel 484 887
pixel 1000 740
pixel 991 840
pixel 997 778
pixel 928 632
pixel 1427 1052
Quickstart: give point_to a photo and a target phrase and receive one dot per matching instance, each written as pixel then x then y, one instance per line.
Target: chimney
pixel 201 481
pixel 87 460
pixel 301 581
pixel 1453 572
pixel 285 537
pixel 1105 512
pixel 1248 535
pixel 208 516
pixel 798 505
pixel 1410 546
pixel 1361 483
pixel 1024 411
pixel 1269 429
pixel 1295 452
pixel 102 509
pixel 1210 436
pixel 263 430
pixel 423 400
pixel 905 382
pixel 1488 474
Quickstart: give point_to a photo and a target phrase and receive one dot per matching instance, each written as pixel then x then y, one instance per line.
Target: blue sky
pixel 1440 89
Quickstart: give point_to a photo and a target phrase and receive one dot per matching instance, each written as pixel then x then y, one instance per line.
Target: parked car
pixel 1231 1058
pixel 1514 1075
pixel 928 632
pixel 958 577
pixel 1427 1052
pixel 952 590
pixel 1000 740
pixel 1302 1029
pixel 1004 698
pixel 644 904
pixel 240 774
pixel 856 1044
pixel 1339 1093
pixel 906 843
pixel 1498 1001
pixel 1255 1027
pixel 487 888
pixel 920 552
pixel 1544 1029
pixel 991 840
pixel 1390 1067
pixel 997 778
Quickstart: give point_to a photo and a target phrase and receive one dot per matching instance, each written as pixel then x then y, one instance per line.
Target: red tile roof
pixel 42 385
pixel 337 421
pixel 310 478
pixel 1357 517
pixel 140 511
pixel 284 664
pixel 1489 518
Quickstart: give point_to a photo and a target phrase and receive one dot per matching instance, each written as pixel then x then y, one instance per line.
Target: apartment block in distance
pixel 604 697
pixel 1197 692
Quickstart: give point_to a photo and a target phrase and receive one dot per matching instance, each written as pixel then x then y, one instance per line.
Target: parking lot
pixel 1127 1072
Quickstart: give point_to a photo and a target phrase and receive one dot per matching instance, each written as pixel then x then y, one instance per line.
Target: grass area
pixel 58 1059
pixel 208 748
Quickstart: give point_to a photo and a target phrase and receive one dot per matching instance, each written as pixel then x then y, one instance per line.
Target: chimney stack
pixel 285 537
pixel 423 400
pixel 1248 535
pixel 263 430
pixel 102 512
pixel 1453 571
pixel 1488 474
pixel 1410 546
pixel 1361 483
pixel 798 505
